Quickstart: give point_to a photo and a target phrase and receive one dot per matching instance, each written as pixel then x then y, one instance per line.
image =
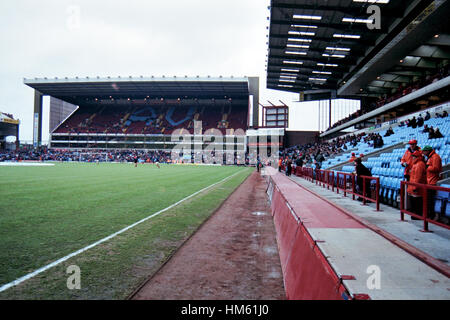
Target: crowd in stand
pixel 315 153
pixel 374 140
pixel 416 85
pixel 401 91
pixel 28 153
pixel 347 119
pixel 433 133
pixel 154 119
pixel 45 154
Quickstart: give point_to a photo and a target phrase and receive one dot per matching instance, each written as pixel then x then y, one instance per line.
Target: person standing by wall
pixel 418 174
pixel 434 169
pixel 362 170
pixel 407 158
pixel 288 167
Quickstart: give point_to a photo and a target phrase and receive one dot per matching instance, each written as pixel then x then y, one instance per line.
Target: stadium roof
pixel 139 87
pixel 8 125
pixel 316 45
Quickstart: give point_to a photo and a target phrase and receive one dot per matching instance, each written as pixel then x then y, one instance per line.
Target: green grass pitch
pixel 49 212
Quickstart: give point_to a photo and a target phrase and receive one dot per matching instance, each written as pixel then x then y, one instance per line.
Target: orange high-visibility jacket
pixel 408 159
pixel 434 168
pixel 418 174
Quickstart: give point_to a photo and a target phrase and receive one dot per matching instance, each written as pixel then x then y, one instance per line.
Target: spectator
pixel 444 114
pixel 319 158
pixel 406 160
pixel 434 169
pixel 425 129
pixel 427 116
pixel 318 164
pixel 378 141
pixel 437 134
pixel 353 158
pixel 420 121
pixel 362 170
pixel 431 133
pixel 288 167
pixel 412 123
pixel 389 132
pixel 418 174
pixel 299 162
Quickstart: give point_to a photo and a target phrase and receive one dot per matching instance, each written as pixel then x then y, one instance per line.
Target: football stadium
pixel 192 188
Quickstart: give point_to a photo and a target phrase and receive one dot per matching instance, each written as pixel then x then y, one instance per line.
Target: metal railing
pixel 325 178
pixel 305 172
pixel 424 194
pixel 346 182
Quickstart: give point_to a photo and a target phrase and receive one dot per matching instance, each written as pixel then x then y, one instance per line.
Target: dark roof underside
pixel 295 27
pixel 69 90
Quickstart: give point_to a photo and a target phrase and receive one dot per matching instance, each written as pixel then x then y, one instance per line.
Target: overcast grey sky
pixel 50 38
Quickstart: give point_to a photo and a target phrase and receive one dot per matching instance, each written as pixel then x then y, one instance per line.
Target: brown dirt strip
pixel 233 256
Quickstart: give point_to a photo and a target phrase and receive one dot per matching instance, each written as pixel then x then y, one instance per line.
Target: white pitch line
pixel 55 263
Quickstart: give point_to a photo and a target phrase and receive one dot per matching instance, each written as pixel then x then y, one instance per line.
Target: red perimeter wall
pixel 306 272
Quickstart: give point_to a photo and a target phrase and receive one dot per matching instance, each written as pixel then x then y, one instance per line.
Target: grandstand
pixel 150 113
pixel 8 127
pixel 385 162
pixel 399 71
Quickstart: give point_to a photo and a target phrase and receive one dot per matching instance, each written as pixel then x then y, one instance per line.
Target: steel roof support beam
pixel 329 41
pixel 343 62
pixel 354 11
pixel 318 50
pixel 340 27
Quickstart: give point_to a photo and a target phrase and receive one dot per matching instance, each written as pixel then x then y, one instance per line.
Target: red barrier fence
pixel 420 198
pixel 304 172
pixel 346 182
pixel 315 280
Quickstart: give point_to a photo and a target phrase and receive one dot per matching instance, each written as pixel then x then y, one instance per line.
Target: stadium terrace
pixel 145 113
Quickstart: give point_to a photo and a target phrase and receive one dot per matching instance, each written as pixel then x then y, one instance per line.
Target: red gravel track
pixel 234 255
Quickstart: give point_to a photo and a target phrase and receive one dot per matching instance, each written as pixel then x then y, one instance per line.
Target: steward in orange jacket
pixel 434 165
pixel 407 159
pixel 434 168
pixel 418 173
